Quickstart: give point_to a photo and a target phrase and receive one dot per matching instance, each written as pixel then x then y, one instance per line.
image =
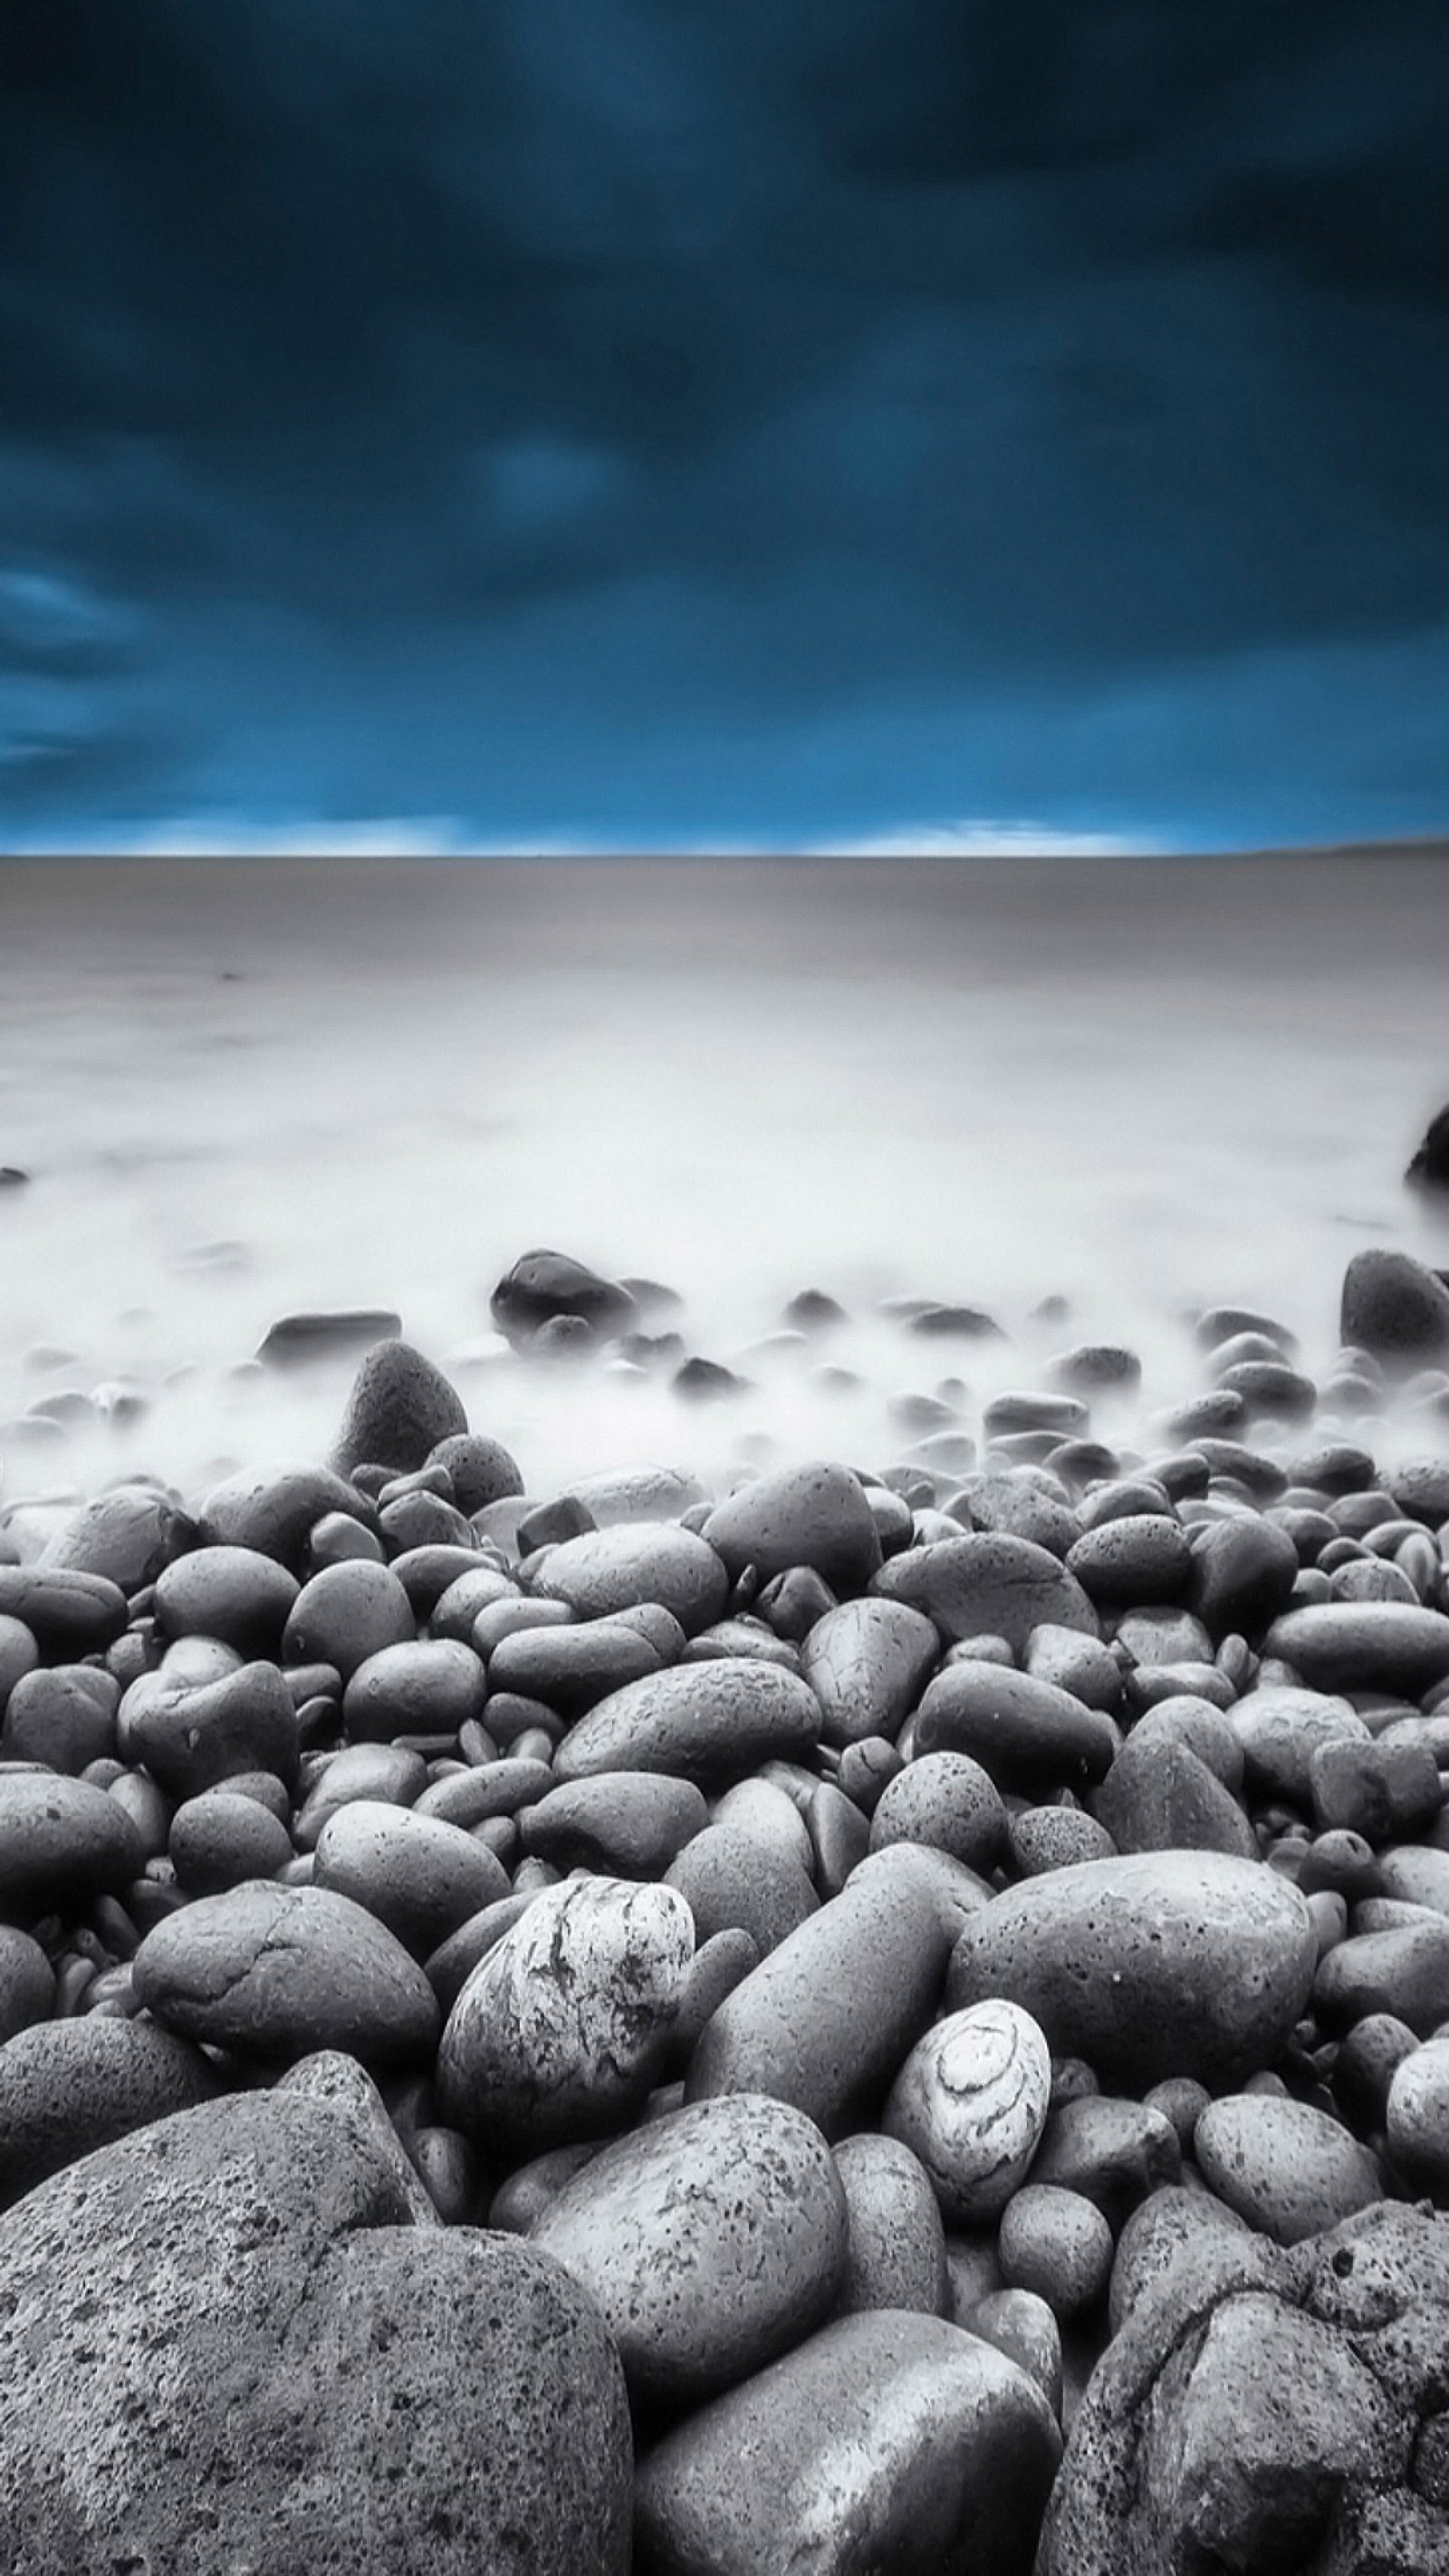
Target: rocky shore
pixel 885 2015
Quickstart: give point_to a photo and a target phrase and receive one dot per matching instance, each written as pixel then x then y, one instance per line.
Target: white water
pixel 1145 1084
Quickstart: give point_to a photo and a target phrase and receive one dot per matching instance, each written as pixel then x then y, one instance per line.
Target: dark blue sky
pixel 785 422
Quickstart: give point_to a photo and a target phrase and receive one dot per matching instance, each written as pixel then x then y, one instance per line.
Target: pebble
pixel 1057 2243
pixel 988 1585
pixel 873 2444
pixel 1113 2153
pixel 193 1736
pixel 544 1285
pixel 619 1824
pixel 561 2029
pixel 572 1668
pixel 68 1615
pixel 711 2241
pixel 62 1842
pixel 1280 1730
pixel 948 1801
pixel 1364 1645
pixel 867 1662
pixel 896 2251
pixel 421 1877
pixel 275 1972
pixel 399 1408
pixel 1287 2168
pixel 708 1722
pixel 971 2102
pixel 731 1883
pixel 1151 1965
pixel 218 1840
pixel 1404 1971
pixel 1139 1558
pixel 271 1511
pixel 63 1716
pixel 816 1515
pixel 421 1686
pixel 69 2087
pixel 603 1572
pixel 1395 1309
pixel 1028 1735
pixel 1159 1796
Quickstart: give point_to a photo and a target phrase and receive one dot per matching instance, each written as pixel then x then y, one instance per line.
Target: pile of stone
pixel 860 2022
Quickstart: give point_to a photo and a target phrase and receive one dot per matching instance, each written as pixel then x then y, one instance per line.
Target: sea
pixel 244 1088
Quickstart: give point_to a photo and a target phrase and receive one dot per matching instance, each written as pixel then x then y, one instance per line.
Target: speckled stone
pixel 815 1515
pixel 62 1842
pixel 710 2241
pixel 867 1662
pixel 1284 2166
pixel 275 1972
pixel 896 2257
pixel 986 1585
pixel 68 2087
pixel 606 1571
pixel 708 1722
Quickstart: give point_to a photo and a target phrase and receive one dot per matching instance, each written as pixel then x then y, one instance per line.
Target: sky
pixel 780 424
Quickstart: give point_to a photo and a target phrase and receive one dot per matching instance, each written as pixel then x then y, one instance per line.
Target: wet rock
pixel 1027 1734
pixel 127 1536
pixel 1243 1573
pixel 69 2087
pixel 234 1593
pixel 571 1668
pixel 1395 1309
pixel 621 1824
pixel 867 1662
pixel 1284 2166
pixel 70 1615
pixel 971 2103
pixel 830 2016
pixel 986 1585
pixel 193 1736
pixel 399 1408
pixel 710 2241
pixel 815 1515
pixel 951 2451
pixel 394 2394
pixel 896 2254
pixel 562 2028
pixel 1152 1965
pixel 219 1840
pixel 602 1572
pixel 707 1722
pixel 275 1972
pixel 421 1877
pixel 543 1285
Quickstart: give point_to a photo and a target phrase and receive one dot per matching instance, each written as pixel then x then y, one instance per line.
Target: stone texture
pixel 275 1972
pixel 68 2087
pixel 1028 1734
pixel 816 1515
pixel 62 1842
pixel 602 1572
pixel 399 1408
pixel 888 2441
pixel 1155 1964
pixel 971 2102
pixel 988 1586
pixel 706 1722
pixel 710 2241
pixel 1284 2166
pixel 867 1662
pixel 350 2391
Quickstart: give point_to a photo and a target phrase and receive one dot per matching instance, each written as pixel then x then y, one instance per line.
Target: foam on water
pixel 248 1087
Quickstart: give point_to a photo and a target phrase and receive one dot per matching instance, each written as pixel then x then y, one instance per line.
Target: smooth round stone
pixel 1058 2244
pixel 606 1571
pixel 710 2241
pixel 1047 1838
pixel 839 1836
pixel 1418 1874
pixel 399 1409
pixel 390 1772
pixel 619 1494
pixel 867 1662
pixel 1156 1637
pixel 127 1535
pixel 706 1722
pixel 865 1768
pixel 718 1966
pixel 1243 1573
pixel 423 1686
pixel 431 1570
pixel 1022 2326
pixel 337 1539
pixel 1284 2166
pixel 562 2028
pixel 768 1812
pixel 887 2440
pixel 275 1972
pixel 623 1824
pixel 1082 1666
pixel 456 1611
pixel 19 1654
pixel 1201 1725
pixel 1416 2119
pixel 1281 1728
pixel 971 2101
pixel 947 1800
pixel 192 1737
pixel 422 1878
pixel 815 1515
pixel 346 1613
pixel 1111 2153
pixel 571 1668
pixel 1027 1734
pixel 1156 1964
pixel 1159 1796
pixel 68 1615
pixel 234 1593
pixel 1018 1502
pixel 1394 1646
pixel 1403 1971
pixel 827 2019
pixel 1395 1309
pixel 896 2255
pixel 747 1636
pixel 988 1585
pixel 219 1839
pixel 1142 1557
pixel 68 2087
pixel 488 1790
pixel 481 1471
pixel 1174 2225
pixel 64 1717
pixel 27 1983
pixel 544 1285
pixel 731 1882
pixel 63 1842
pixel 272 1509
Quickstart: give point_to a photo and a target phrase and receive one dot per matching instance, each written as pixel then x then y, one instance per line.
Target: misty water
pixel 242 1088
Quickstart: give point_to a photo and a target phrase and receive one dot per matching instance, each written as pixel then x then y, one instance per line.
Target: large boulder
pixel 1264 2409
pixel 223 2347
